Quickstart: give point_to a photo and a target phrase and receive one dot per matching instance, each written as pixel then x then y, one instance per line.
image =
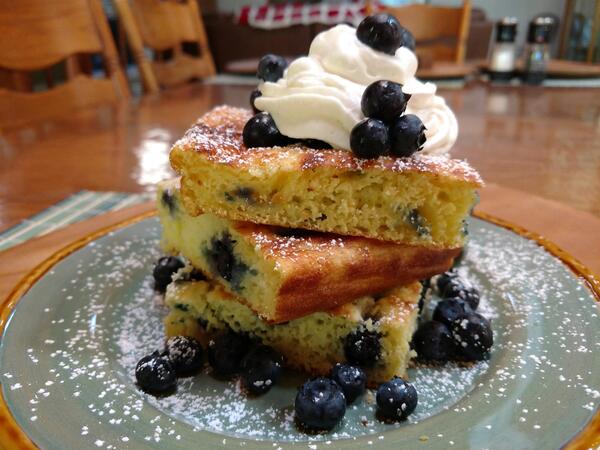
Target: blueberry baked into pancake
pixel 298 232
pixel 273 269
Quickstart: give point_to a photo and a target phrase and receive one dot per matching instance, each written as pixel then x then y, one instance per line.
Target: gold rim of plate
pixel 13 437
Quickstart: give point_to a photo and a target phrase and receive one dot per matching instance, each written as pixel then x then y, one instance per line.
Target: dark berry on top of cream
pixel 384 33
pixel 271 67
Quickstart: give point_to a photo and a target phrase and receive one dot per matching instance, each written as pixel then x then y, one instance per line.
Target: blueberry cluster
pixel 157 373
pixel 321 402
pixel 229 354
pixel 260 366
pixel 386 128
pixel 384 131
pixel 457 331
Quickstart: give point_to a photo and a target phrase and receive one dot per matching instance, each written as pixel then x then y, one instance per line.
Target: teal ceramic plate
pixel 70 346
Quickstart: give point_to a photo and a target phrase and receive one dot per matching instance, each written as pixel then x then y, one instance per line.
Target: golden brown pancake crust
pixel 218 136
pixel 314 281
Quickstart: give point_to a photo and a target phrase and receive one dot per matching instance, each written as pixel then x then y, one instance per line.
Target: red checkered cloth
pixel 268 17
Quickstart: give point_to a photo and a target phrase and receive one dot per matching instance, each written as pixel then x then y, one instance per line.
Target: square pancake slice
pixel 314 343
pixel 283 274
pixel 418 200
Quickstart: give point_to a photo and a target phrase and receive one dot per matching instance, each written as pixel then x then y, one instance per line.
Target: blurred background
pixel 230 36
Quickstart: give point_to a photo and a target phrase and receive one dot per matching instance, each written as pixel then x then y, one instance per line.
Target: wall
pixel 232 5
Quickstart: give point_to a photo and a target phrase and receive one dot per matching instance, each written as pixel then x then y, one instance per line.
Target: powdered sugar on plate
pixel 94 324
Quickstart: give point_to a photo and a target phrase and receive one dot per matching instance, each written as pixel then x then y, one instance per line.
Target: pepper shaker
pixel 537 50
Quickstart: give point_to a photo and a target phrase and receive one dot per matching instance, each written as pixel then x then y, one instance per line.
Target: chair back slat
pixel 179 70
pixel 57 40
pixel 163 26
pixel 37 34
pixel 434 26
pixel 19 108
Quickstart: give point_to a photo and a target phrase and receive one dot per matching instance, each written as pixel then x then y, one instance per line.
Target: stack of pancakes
pixel 307 250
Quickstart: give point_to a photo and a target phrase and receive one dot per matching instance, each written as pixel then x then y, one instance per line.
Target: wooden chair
pixel 441 32
pixel 40 36
pixel 165 26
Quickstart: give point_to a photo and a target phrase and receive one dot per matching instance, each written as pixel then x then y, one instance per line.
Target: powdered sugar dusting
pixel 217 136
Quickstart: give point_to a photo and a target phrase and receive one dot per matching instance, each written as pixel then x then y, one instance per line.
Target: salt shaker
pixel 502 57
pixel 537 50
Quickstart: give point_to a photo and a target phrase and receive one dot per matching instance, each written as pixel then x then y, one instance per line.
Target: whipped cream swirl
pixel 319 96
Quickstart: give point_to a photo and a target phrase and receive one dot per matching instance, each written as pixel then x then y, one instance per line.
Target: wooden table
pixel 537 142
pixel 556 68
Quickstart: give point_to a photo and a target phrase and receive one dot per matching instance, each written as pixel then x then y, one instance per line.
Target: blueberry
pixel 407 135
pixel 433 341
pixel 221 256
pixel 381 32
pixel 446 278
pixel 460 288
pixel 253 96
pixel 407 39
pixel 163 271
pixel 169 201
pixel 419 223
pixel 369 138
pixel 186 355
pixel 155 374
pixel 320 404
pixel 450 310
pixel 396 399
pixel 261 131
pixel 271 67
pixel 196 275
pixel 473 335
pixel 261 369
pixel 226 351
pixel 223 261
pixel 363 348
pixel 384 100
pixel 351 379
